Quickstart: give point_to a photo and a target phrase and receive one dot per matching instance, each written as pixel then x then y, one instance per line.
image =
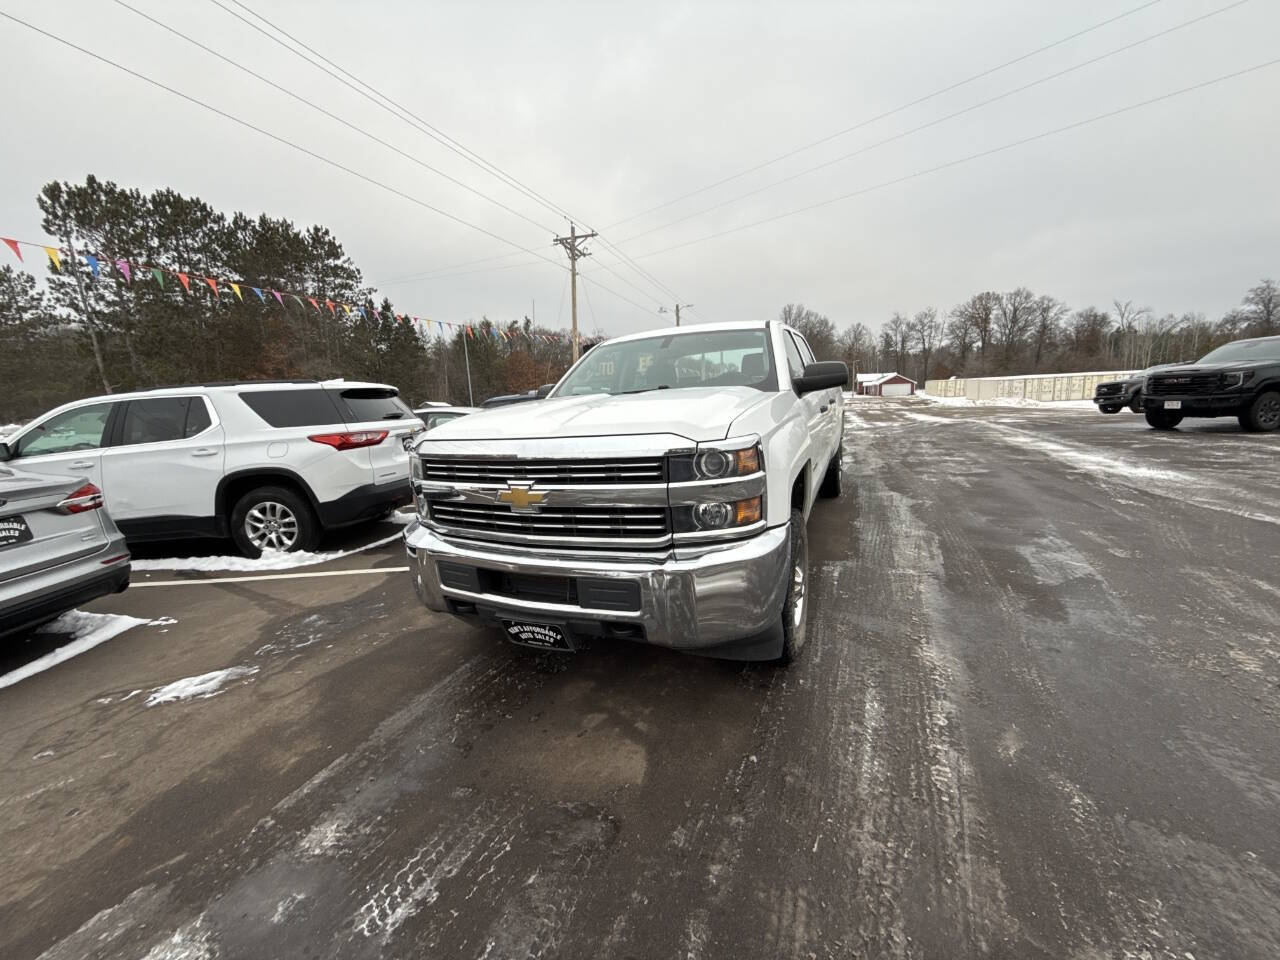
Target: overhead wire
pixel 891 112
pixel 933 123
pixel 969 158
pixel 284 141
pixel 386 103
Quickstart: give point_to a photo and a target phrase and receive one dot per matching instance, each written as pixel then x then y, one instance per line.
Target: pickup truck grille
pixel 1109 389
pixel 1185 385
pixel 629 470
pixel 612 525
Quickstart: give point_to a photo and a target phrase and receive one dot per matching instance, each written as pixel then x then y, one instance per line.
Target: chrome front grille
pixel 484 470
pixel 606 525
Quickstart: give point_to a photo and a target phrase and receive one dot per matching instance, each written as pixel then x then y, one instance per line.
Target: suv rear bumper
pixel 365 503
pixel 1212 405
pixel 722 602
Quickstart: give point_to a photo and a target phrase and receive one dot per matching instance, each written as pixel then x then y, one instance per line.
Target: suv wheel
pixel 1161 420
pixel 830 486
pixel 273 518
pixel 795 606
pixel 1109 408
pixel 1263 414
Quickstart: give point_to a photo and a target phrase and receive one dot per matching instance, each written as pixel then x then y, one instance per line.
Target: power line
pixel 889 113
pixel 332 116
pixel 933 123
pixel 273 136
pixel 428 274
pixel 376 97
pixel 973 156
pixel 406 115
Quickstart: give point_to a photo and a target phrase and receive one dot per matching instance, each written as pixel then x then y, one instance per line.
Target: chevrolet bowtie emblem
pixel 521 498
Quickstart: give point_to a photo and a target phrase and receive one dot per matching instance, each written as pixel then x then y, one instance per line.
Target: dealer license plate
pixel 548 636
pixel 1173 404
pixel 13 530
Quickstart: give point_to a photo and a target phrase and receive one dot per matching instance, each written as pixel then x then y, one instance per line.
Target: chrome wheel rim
pixel 799 587
pixel 271 526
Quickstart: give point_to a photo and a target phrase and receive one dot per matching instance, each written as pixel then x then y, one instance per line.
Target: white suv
pixel 269 463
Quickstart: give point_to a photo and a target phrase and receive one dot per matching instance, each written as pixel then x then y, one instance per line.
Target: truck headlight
pixel 415 466
pixel 1232 380
pixel 723 460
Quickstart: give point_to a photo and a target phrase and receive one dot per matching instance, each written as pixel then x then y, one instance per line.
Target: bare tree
pixel 1048 313
pixel 977 315
pixel 814 326
pixel 899 330
pixel 927 329
pixel 1013 317
pixel 1259 312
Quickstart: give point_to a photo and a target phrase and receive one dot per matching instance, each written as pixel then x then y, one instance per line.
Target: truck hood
pixel 695 413
pixel 1226 366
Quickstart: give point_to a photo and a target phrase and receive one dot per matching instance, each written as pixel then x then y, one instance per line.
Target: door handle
pixel 80 464
pixel 204 452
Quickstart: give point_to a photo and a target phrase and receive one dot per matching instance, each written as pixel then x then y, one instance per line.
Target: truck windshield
pixel 1268 349
pixel 675 361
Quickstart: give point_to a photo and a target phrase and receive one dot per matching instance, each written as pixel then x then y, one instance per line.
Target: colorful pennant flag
pixel 13 245
pixel 185 280
pixel 258 291
pixel 235 288
pixel 155 272
pixel 213 285
pixel 329 304
pixel 123 267
pixel 276 294
pixel 298 299
pixel 314 304
pixel 54 257
pixel 92 261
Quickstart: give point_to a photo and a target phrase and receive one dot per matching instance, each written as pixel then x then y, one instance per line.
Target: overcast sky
pixel 608 109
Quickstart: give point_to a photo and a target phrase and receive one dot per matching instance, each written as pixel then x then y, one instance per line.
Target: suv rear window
pixel 367 404
pixel 293 408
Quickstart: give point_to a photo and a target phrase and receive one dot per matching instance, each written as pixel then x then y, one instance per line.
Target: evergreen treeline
pixel 140 334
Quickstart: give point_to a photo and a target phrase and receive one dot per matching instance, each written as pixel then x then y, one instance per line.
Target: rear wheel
pixel 273 518
pixel 1136 403
pixel 795 606
pixel 1163 420
pixel 1263 414
pixel 830 486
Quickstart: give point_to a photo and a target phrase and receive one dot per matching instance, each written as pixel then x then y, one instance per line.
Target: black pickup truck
pixel 1240 379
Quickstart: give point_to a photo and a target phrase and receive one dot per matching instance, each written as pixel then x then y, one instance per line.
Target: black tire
pixel 1162 420
pixel 829 489
pixel 1109 408
pixel 795 606
pixel 1263 414
pixel 297 527
pixel 1136 403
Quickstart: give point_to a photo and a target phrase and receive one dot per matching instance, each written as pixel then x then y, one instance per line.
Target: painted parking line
pixel 268 576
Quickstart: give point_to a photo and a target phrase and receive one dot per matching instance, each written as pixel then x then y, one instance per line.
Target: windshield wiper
pixel 661 386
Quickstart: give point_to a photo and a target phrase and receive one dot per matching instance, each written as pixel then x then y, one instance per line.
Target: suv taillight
pixel 350 441
pixel 81 500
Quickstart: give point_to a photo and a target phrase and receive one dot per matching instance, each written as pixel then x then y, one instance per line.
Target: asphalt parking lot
pixel 1037 717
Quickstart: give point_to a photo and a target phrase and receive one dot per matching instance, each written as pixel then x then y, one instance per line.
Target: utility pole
pixel 572 246
pixel 679 307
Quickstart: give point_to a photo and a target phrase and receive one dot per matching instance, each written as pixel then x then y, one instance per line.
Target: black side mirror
pixel 545 389
pixel 6 453
pixel 823 375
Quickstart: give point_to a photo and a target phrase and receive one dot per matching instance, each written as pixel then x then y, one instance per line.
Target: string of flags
pixel 132 272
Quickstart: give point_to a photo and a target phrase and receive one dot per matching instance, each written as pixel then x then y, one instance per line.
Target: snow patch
pixel 1009 402
pixel 201 687
pixel 87 629
pixel 270 560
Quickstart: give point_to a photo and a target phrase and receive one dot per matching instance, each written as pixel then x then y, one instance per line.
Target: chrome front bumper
pixel 722 601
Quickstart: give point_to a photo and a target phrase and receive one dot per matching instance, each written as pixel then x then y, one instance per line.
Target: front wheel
pixel 273 518
pixel 1263 414
pixel 1109 408
pixel 795 606
pixel 1136 403
pixel 1162 420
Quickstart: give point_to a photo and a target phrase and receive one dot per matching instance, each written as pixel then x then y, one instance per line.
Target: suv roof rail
pixel 225 383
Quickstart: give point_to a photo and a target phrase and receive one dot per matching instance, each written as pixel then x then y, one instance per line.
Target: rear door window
pixel 197 417
pixel 293 408
pixel 158 419
pixel 368 404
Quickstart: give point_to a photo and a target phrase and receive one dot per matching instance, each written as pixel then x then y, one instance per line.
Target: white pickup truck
pixel 659 494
